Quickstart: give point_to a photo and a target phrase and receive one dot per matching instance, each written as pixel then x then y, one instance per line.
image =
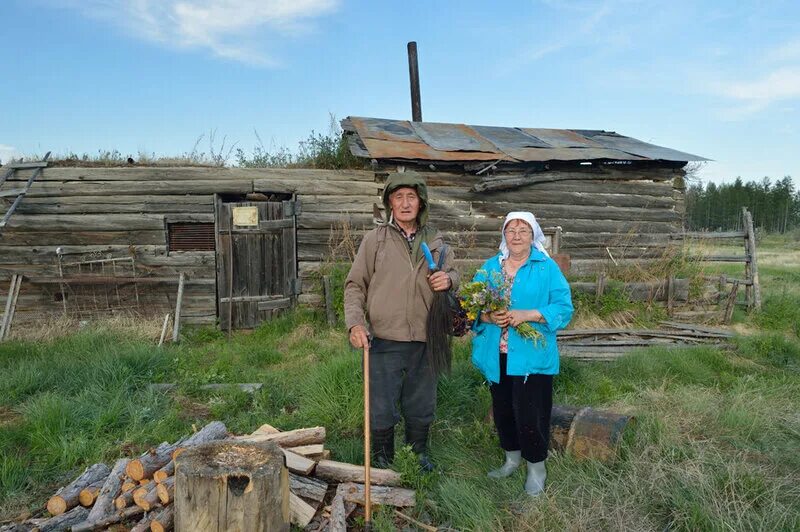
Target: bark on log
pixel 231 486
pixel 124 500
pixel 166 490
pixel 67 497
pixel 142 526
pixel 163 520
pixel 213 431
pixel 148 499
pixel 105 522
pixel 343 472
pixel 400 497
pixel 88 494
pixel 290 438
pixel 308 487
pixel 65 520
pixel 165 472
pixel 300 512
pixel 104 504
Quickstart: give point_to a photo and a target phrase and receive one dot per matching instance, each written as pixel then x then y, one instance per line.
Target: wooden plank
pixel 195 173
pixel 751 251
pixel 318 187
pixel 511 181
pixel 710 234
pixel 275 304
pixel 113 188
pixel 55 237
pixel 11 305
pixel 731 303
pixel 722 258
pixel 28 165
pixel 547 211
pixel 176 322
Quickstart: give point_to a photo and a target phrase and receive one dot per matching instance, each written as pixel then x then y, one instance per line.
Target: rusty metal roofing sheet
pixel 426 141
pixel 452 137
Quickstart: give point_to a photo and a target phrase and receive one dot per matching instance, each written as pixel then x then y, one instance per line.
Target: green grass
pixel 713 447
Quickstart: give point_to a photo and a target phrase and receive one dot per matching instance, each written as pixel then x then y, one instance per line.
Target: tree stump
pixel 235 486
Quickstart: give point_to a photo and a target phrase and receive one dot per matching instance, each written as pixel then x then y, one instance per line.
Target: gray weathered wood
pixel 176 322
pixel 104 504
pixel 308 487
pixel 752 255
pixel 67 497
pixel 731 303
pixel 11 305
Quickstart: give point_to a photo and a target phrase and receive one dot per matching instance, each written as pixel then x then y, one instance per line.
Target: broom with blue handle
pixel 439 326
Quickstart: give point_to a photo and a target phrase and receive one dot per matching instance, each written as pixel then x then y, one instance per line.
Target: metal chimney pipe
pixel 413 75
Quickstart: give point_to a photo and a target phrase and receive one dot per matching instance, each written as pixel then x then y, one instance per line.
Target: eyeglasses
pixel 522 233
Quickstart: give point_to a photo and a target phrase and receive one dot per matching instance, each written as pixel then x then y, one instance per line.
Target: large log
pixel 67 497
pixel 143 525
pixel 125 499
pixel 343 472
pixel 105 188
pixel 290 438
pixel 146 174
pixel 231 485
pixel 104 504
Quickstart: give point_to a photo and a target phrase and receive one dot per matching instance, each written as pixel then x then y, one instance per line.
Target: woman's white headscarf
pixel 530 219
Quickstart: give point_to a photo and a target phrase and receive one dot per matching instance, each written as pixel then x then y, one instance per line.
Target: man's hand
pixel 358 336
pixel 439 281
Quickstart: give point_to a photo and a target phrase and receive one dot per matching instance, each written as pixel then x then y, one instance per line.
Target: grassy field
pixel 715 446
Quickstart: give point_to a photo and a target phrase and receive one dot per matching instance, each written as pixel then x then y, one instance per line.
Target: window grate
pixel 190 237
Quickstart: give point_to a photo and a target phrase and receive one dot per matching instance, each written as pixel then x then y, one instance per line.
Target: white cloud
pixel 589 15
pixel 231 29
pixel 8 152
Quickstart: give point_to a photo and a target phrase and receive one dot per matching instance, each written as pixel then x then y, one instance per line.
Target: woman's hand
pixel 498 317
pixel 517 317
pixel 439 281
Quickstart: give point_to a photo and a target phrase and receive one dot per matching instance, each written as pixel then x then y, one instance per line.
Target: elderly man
pixel 388 293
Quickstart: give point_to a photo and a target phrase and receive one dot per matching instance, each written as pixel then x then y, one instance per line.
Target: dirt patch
pixel 8 416
pixel 192 410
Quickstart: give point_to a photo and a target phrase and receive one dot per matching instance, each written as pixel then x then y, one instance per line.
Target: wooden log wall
pixel 124 211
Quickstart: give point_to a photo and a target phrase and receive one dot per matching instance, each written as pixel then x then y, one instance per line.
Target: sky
pixel 716 79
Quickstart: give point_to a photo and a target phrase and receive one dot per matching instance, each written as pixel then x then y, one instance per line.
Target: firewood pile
pixel 137 494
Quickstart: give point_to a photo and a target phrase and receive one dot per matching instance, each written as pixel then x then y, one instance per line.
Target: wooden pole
pixel 176 323
pixel 367 497
pixel 751 239
pixel 163 331
pixel 413 75
pixel 11 305
pixel 230 275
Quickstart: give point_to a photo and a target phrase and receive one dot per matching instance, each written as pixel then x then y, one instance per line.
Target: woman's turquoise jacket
pixel 539 284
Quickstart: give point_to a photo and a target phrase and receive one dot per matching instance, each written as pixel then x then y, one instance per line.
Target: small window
pixel 186 236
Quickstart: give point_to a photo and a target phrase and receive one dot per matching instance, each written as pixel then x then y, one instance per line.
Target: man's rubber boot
pixel 382 447
pixel 513 461
pixel 537 474
pixel 417 437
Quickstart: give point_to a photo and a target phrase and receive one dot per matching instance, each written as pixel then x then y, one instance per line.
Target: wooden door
pixel 256 261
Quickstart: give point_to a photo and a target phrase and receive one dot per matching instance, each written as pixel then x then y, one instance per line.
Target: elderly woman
pixel 520 371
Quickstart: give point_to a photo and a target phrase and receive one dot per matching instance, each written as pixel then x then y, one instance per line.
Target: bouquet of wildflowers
pixel 490 296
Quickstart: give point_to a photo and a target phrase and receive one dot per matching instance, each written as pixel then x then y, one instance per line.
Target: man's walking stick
pixel 367 490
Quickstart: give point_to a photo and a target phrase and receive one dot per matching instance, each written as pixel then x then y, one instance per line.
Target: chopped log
pixel 142 468
pixel 338 518
pixel 298 464
pixel 146 497
pixel 66 498
pixel 308 487
pixel 213 431
pixel 237 485
pixel 343 472
pixel 166 490
pixel 163 520
pixel 104 504
pixel 128 485
pixel 88 494
pixel 400 497
pixel 145 481
pixel 124 500
pixel 165 472
pixel 309 451
pixel 290 438
pixel 300 512
pixel 143 525
pixel 105 522
pixel 64 521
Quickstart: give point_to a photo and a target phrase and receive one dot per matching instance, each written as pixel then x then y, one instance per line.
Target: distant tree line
pixel 775 206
